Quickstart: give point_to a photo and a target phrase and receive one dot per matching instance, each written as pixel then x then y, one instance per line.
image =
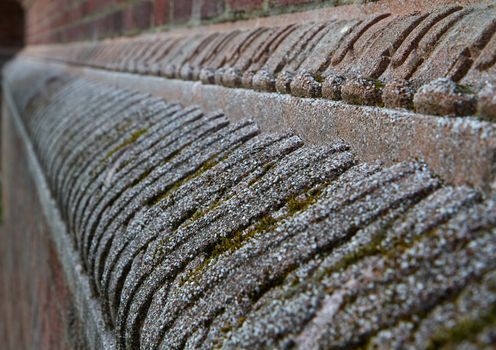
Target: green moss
pixel 378 84
pixel 253 181
pixel 466 329
pixel 464 89
pixel 209 164
pixel 159 252
pixel 197 214
pixel 265 224
pixel 355 256
pixel 295 282
pixel 226 328
pixel 319 78
pixel 134 136
pixel 241 320
pixel 373 247
pixel 296 204
pixel 229 244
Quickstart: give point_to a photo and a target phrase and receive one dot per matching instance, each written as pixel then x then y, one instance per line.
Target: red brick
pixel 137 16
pixel 182 10
pixel 244 5
pixel 142 14
pixel 95 6
pixel 117 22
pixel 276 3
pixel 161 12
pixel 212 8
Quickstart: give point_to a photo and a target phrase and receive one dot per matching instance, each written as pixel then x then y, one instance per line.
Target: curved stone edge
pixel 89 308
pixel 460 150
pixel 381 59
pixel 394 190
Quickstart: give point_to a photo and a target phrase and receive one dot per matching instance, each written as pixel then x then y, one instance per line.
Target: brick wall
pixel 37 309
pixel 54 21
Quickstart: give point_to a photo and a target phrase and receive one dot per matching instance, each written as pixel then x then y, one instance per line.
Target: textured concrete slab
pixel 194 229
pixel 460 150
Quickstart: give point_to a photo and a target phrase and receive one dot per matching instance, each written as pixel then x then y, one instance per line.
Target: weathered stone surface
pixel 200 232
pixel 361 91
pixel 283 82
pixel 417 48
pixel 331 87
pixel 486 103
pixel 444 97
pixel 398 94
pixel 305 85
pixel 263 81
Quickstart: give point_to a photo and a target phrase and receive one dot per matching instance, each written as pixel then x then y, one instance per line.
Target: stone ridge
pixel 383 59
pixel 201 233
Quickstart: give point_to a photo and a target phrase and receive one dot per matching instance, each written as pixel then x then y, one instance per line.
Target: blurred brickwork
pixel 37 310
pixel 56 21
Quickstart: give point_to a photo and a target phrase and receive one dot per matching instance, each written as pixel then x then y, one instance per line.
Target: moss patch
pixel 467 329
pixel 319 78
pixel 266 223
pixel 379 85
pixel 159 252
pixel 134 136
pixel 209 164
pixel 296 204
pixel 229 244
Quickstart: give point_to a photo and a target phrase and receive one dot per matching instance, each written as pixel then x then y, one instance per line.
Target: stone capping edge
pixel 89 309
pixel 383 58
pixel 460 150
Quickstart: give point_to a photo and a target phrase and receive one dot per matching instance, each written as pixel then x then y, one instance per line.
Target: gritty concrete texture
pixel 309 181
pixel 443 97
pixel 362 91
pixel 398 94
pixel 195 229
pixel 486 103
pixel 461 150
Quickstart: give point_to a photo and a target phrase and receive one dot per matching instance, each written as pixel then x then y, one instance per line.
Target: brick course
pixel 245 5
pixel 51 21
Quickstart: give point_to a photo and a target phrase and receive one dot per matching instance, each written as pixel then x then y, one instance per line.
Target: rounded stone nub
pixel 305 84
pixel 247 79
pixel 218 75
pixel 283 82
pixel 110 66
pixel 207 75
pixel 264 81
pixel 486 104
pixel 154 69
pixel 169 71
pixel 232 78
pixel 398 93
pixel 362 91
pixel 444 97
pixel 195 75
pixel 331 86
pixel 186 72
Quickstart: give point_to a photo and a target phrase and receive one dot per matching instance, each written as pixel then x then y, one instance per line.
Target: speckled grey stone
pixel 200 233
